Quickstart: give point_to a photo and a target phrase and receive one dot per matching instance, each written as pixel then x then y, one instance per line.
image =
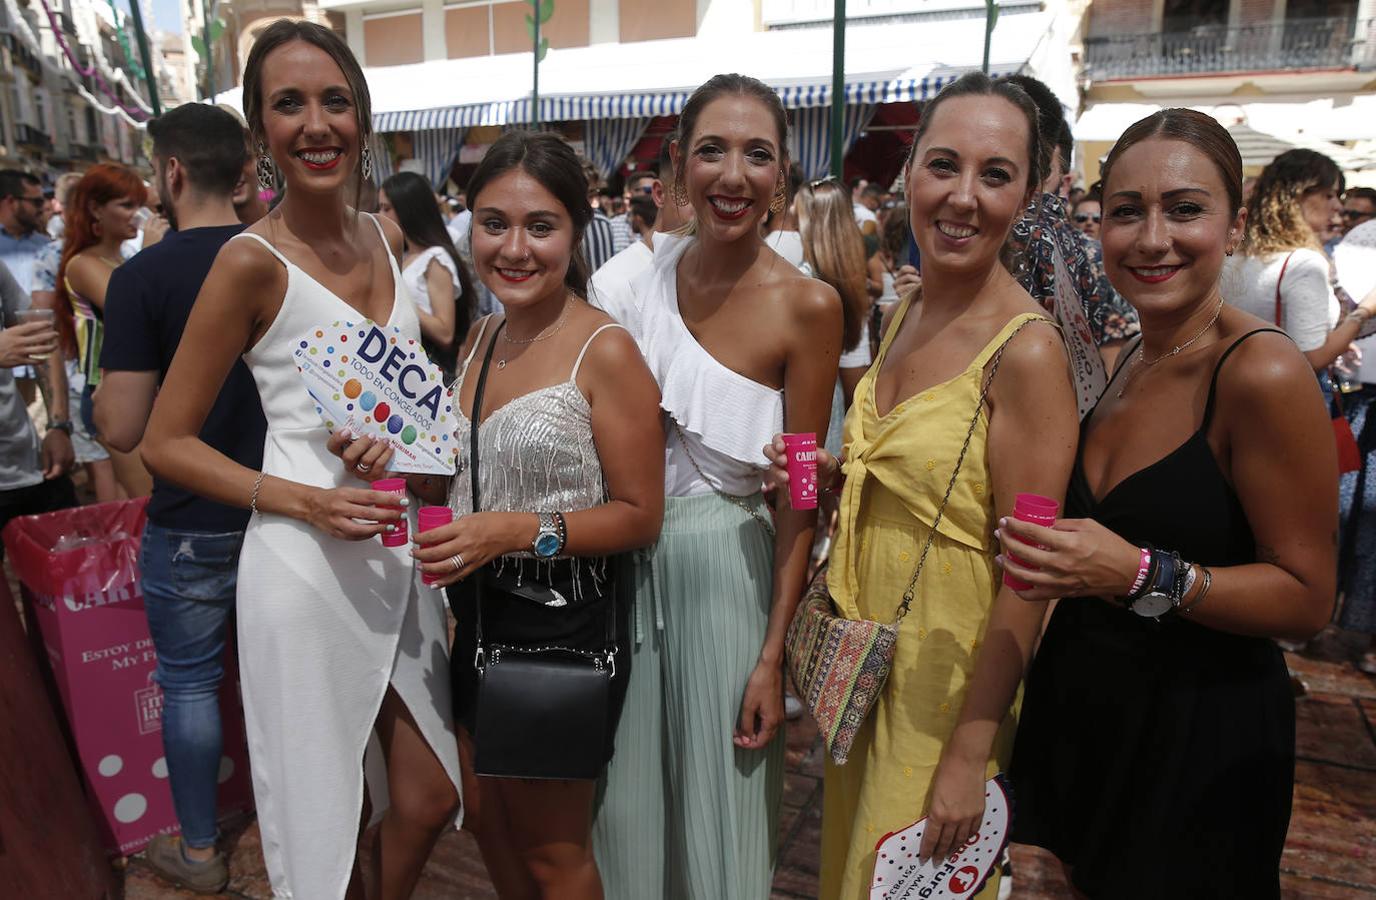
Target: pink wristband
pixel 1143 569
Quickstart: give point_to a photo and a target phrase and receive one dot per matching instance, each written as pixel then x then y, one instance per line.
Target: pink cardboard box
pixel 79 577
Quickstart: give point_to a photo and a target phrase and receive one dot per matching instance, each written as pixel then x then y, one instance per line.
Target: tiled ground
pixel 1331 851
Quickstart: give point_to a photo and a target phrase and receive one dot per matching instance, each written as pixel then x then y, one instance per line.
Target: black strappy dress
pixel 1158 759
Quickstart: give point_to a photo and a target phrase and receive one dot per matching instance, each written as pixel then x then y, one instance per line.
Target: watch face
pixel 546 545
pixel 1153 605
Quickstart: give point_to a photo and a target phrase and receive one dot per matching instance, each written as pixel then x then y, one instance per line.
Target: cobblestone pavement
pixel 1331 852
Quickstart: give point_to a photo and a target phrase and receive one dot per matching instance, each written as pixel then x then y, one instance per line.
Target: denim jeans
pixel 189 579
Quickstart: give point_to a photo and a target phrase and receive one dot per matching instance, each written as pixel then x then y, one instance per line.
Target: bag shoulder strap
pixel 997 358
pixel 476 416
pixel 473 421
pixel 1280 278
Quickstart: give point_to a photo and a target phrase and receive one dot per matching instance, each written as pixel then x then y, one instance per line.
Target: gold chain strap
pixel 730 498
pixel 908 594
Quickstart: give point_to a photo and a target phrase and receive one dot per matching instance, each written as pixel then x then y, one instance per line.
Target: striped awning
pixel 636 106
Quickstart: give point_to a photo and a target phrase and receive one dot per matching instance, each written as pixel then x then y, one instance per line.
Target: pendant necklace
pixel 544 335
pixel 1142 350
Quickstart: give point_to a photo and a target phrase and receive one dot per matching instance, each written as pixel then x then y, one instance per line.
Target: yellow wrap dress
pixel 897 469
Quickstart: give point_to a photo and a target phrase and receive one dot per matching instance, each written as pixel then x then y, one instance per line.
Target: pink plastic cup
pixel 801 450
pixel 401 536
pixel 428 517
pixel 1038 510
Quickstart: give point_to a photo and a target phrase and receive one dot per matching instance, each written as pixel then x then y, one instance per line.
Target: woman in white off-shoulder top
pixel 743 346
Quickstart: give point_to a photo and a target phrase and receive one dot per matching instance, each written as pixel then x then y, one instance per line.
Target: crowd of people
pixel 1170 354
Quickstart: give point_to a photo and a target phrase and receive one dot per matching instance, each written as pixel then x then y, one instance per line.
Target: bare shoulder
pixel 1035 352
pixel 608 348
pixel 391 233
pixel 247 259
pixel 1264 374
pixel 811 301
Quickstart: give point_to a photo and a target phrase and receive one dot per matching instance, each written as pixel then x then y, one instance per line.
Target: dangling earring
pixel 267 172
pixel 1228 252
pixel 367 162
pixel 776 204
pixel 680 194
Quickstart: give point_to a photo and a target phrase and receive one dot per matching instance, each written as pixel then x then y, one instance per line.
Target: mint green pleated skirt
pixel 682 813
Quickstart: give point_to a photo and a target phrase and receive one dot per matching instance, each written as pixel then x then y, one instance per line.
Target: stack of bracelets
pixel 1162 584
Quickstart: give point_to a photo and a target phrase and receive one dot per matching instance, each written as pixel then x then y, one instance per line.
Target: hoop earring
pixel 366 162
pixel 267 172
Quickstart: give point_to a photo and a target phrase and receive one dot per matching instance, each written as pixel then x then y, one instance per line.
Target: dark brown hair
pixel 284 31
pixel 1194 128
pixel 548 159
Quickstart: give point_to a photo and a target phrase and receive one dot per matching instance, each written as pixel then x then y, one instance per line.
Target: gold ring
pixel 457 560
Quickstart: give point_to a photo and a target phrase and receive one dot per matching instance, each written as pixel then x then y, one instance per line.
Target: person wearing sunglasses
pixel 1359 206
pixel 1086 215
pixel 21 223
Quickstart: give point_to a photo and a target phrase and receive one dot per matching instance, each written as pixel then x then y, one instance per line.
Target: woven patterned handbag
pixel 840 665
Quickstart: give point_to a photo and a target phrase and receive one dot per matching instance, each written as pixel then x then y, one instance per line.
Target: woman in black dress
pixel 1155 755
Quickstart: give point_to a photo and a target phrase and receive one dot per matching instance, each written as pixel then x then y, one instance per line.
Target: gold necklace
pixel 1142 350
pixel 544 335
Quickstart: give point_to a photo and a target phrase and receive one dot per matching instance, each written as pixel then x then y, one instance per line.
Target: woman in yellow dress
pixel 944 721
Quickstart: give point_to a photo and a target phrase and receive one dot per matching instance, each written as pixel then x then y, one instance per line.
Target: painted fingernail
pixel 405 501
pixel 998 533
pixel 1003 521
pixel 346 434
pixel 999 559
pixel 389 528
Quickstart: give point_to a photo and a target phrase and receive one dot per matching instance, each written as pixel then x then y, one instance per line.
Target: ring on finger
pixel 457 560
pixel 363 467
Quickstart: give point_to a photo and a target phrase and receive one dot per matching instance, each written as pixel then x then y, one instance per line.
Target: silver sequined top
pixel 535 452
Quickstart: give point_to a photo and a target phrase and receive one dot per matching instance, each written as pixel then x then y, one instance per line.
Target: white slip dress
pixel 325 625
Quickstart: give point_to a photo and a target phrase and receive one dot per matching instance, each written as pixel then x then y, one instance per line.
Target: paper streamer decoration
pixel 897 873
pixel 374 380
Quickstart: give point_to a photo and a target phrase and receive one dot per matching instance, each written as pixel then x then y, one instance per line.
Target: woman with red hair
pixel 100 217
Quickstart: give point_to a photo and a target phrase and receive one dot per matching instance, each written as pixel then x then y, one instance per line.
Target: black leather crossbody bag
pixel 541 710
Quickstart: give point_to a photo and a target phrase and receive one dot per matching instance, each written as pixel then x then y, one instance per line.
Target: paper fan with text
pixel 372 379
pixel 899 874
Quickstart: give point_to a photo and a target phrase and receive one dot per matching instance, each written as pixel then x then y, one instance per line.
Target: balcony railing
pixel 1297 44
pixel 27 135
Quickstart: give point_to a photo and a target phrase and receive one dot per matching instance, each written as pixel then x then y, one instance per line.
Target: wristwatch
pixel 1160 597
pixel 62 425
pixel 549 540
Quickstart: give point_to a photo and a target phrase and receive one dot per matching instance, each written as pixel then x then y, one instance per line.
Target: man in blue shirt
pixel 190 545
pixel 21 217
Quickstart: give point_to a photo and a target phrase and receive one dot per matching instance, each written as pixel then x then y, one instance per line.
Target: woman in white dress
pixel 431 269
pixel 339 651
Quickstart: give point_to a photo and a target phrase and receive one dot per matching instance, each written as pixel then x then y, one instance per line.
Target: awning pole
pixel 838 85
pixel 149 75
pixel 991 15
pixel 535 93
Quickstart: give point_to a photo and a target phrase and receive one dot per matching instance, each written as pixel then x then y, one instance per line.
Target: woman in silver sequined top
pixel 569 436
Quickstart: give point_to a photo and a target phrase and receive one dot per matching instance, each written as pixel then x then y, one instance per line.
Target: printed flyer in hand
pixel 373 380
pixel 898 875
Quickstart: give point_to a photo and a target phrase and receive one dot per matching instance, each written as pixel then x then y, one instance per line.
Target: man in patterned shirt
pixel 1046 232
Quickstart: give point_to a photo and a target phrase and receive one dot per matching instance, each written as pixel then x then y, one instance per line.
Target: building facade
pixel 1278 72
pixel 66 98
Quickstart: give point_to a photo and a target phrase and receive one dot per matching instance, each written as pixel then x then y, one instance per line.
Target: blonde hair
pixel 1275 222
pixel 834 249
